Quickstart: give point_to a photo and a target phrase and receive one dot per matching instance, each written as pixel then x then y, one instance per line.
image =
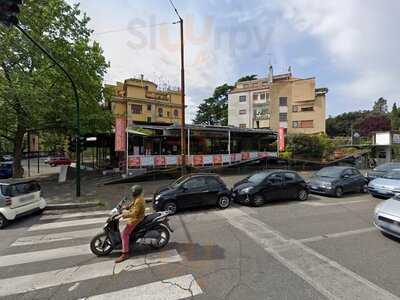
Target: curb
pixel 148 199
pixel 72 205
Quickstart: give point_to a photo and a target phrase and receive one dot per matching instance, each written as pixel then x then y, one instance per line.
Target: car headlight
pixel 327 185
pixel 156 202
pixel 377 209
pixel 157 197
pixel 246 190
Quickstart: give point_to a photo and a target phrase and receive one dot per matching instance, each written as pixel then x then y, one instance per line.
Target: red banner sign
pixel 217 159
pixel 159 160
pixel 134 161
pixel 198 160
pixel 281 139
pixel 120 134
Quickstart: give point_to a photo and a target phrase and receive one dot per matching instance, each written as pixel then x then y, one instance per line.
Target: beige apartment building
pixel 142 102
pixel 278 101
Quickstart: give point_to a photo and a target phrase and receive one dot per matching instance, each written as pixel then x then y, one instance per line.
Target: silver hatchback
pixel 387 216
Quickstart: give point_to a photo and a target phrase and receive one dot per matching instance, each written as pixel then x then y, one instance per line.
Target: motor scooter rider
pixel 133 214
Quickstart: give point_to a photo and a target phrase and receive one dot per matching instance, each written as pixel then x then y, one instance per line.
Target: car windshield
pixel 393 175
pixel 329 172
pixel 257 178
pixel 18 189
pixel 387 167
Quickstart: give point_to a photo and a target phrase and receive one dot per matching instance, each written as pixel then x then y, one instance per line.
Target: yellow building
pixel 278 101
pixel 142 102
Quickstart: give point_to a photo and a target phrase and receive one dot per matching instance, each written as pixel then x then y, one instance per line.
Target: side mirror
pixel 346 176
pixel 183 188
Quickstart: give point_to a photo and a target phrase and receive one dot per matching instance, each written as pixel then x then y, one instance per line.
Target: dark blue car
pixel 5 170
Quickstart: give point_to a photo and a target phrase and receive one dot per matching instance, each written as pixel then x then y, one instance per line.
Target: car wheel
pixel 258 200
pixel 302 195
pixel 364 188
pixel 338 192
pixel 223 202
pixel 3 221
pixel 170 207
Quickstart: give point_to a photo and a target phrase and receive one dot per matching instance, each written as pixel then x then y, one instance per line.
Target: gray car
pixel 386 186
pixel 383 169
pixel 387 216
pixel 335 181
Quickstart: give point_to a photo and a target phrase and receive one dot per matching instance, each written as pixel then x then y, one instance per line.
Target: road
pixel 325 248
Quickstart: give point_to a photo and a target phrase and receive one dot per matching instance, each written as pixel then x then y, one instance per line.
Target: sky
pixel 349 46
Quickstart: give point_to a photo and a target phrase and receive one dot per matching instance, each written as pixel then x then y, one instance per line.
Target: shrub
pixel 309 146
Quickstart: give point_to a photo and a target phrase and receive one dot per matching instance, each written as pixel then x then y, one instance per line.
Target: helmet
pixel 136 190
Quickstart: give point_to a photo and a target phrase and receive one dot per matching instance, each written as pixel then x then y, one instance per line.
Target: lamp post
pixel 183 145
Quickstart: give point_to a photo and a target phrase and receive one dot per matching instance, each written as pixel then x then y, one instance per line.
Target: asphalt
pixel 225 259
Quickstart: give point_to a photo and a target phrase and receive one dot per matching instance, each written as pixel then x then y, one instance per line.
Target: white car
pixel 387 216
pixel 19 198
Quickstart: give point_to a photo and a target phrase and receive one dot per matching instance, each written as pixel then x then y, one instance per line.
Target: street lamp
pixel 183 145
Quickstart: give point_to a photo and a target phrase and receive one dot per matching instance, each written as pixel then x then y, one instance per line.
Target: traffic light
pixel 9 10
pixel 72 145
pixel 82 143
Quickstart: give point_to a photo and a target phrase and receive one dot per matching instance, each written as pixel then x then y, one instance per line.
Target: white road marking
pixel 315 203
pixel 336 235
pixel 74 215
pixel 27 283
pixel 168 289
pixel 73 287
pixel 325 275
pixel 54 237
pixel 67 224
pixel 42 255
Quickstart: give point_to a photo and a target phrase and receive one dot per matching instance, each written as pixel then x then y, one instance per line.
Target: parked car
pixel 386 186
pixel 7 157
pixel 192 190
pixel 19 198
pixel 335 181
pixel 387 216
pixel 6 170
pixel 270 185
pixel 58 161
pixel 383 169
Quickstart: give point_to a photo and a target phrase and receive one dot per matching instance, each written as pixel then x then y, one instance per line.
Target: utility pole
pixel 183 145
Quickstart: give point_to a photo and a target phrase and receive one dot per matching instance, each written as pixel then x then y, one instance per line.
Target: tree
pixel 395 117
pixel 340 125
pixel 248 78
pixel 33 92
pixel 214 110
pixel 380 106
pixel 373 123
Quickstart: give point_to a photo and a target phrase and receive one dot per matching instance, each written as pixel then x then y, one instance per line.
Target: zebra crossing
pixel 55 254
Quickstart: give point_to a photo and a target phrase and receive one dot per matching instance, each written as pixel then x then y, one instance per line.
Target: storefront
pixel 159 146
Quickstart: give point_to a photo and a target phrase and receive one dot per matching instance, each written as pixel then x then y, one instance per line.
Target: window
pixel 275 179
pixel 255 97
pixel 148 119
pixel 149 107
pixel 242 112
pixel 257 124
pixel 160 112
pixel 195 183
pixel 295 124
pixel 307 124
pixel 242 98
pixel 176 113
pixel 136 108
pixel 262 96
pixel 242 126
pixel 246 86
pixel 290 177
pixel 348 172
pixel 168 114
pixel 282 101
pixel 308 108
pixel 295 108
pixel 212 182
pixel 282 117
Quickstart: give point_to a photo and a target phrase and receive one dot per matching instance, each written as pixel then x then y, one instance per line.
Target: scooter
pixel 153 231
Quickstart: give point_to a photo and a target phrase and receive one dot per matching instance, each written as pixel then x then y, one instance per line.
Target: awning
pixel 141 131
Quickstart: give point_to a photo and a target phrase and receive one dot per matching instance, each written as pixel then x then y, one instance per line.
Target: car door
pixel 273 187
pixel 359 180
pixel 192 192
pixel 348 180
pixel 210 196
pixel 290 185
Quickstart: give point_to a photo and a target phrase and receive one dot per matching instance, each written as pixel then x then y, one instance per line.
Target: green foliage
pixel 380 106
pixel 247 78
pixel 340 125
pixel 214 110
pixel 36 94
pixel 309 146
pixel 395 117
pixel 286 155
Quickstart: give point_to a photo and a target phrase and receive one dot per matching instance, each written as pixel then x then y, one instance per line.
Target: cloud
pixel 360 40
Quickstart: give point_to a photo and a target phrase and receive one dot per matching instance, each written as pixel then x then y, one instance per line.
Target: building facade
pixel 278 101
pixel 140 101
